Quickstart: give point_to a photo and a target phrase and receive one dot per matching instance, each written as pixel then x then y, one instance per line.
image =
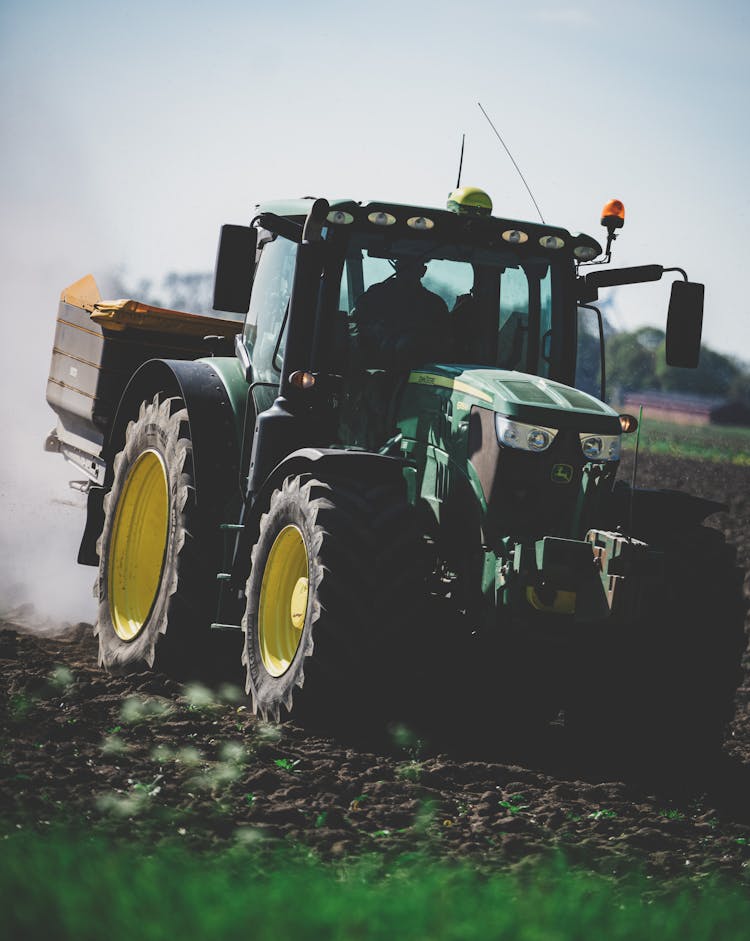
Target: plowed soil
pixel 145 752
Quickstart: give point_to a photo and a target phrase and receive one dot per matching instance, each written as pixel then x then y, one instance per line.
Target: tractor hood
pixel 520 396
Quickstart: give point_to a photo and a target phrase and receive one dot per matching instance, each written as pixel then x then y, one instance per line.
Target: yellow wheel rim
pixel 283 601
pixel 139 540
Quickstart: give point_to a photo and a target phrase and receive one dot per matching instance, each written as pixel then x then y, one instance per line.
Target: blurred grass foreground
pixel 55 886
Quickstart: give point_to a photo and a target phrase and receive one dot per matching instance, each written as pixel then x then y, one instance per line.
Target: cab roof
pixel 298 209
pixel 452 224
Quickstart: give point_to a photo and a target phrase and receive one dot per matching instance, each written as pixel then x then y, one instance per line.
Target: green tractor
pixel 395 488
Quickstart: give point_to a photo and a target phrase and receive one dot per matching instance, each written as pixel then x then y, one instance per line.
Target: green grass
pixel 55 885
pixel 702 442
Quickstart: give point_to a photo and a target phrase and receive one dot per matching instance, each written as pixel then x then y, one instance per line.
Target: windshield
pixel 478 306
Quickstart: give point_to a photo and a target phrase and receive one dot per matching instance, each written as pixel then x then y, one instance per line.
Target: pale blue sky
pixel 131 131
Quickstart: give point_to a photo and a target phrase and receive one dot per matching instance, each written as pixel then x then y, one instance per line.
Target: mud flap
pixel 87 554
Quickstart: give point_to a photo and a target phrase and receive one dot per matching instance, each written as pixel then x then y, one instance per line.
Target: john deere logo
pixel 562 473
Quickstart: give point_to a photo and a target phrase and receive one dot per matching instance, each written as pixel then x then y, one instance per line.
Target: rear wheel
pixel 156 578
pixel 331 624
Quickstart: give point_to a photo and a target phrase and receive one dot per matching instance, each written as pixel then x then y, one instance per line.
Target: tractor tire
pixel 338 575
pixel 660 694
pixel 156 584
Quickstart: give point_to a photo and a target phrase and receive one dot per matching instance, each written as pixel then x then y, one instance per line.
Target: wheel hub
pixel 299 603
pixel 138 545
pixel 282 609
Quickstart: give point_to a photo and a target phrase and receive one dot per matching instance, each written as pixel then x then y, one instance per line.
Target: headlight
pixel 601 447
pixel 515 434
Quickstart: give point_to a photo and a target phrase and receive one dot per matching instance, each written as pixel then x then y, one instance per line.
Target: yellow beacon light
pixel 470 201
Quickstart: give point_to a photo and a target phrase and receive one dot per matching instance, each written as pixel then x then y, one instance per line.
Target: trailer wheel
pixel 155 586
pixel 331 624
pixel 661 695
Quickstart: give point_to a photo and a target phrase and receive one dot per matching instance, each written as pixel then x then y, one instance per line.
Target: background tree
pixel 715 374
pixel 631 360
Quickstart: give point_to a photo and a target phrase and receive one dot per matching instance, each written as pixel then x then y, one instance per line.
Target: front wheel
pixel 337 577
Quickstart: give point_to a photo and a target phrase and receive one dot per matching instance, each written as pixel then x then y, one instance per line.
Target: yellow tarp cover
pixel 124 314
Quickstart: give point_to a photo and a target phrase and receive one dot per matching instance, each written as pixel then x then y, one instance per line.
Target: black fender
pixel 216 449
pixel 365 466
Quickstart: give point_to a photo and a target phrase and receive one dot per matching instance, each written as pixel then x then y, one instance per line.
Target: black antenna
pixel 461 160
pixel 523 178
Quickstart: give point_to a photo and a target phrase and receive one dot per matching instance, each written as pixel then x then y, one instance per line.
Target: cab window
pixel 517 287
pixel 504 308
pixel 448 279
pixel 265 326
pixel 513 325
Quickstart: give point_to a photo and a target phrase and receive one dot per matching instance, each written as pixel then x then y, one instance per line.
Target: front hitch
pixel 603 576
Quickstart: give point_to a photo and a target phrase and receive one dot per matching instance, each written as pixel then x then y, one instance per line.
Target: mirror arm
pixel 600 321
pixel 611 236
pixel 679 271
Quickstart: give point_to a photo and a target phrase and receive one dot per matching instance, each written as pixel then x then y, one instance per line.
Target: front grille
pixel 531 495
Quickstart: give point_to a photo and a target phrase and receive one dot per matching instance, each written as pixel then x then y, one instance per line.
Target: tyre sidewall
pixel 288 507
pixel 154 431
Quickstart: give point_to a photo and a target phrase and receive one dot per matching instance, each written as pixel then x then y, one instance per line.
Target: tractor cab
pixel 386 288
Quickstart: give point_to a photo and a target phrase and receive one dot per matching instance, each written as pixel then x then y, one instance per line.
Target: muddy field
pixel 145 752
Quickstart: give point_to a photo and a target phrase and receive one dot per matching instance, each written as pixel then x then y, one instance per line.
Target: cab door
pixel 267 317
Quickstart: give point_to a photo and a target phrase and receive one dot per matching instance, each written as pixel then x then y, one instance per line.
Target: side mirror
pixel 235 264
pixel 684 324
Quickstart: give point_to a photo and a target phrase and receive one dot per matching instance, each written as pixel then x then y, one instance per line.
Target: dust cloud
pixel 41 518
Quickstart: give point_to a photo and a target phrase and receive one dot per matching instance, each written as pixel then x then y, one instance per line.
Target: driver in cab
pixel 398 323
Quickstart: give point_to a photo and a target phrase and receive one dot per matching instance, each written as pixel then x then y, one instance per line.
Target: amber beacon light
pixel 613 218
pixel 613 215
